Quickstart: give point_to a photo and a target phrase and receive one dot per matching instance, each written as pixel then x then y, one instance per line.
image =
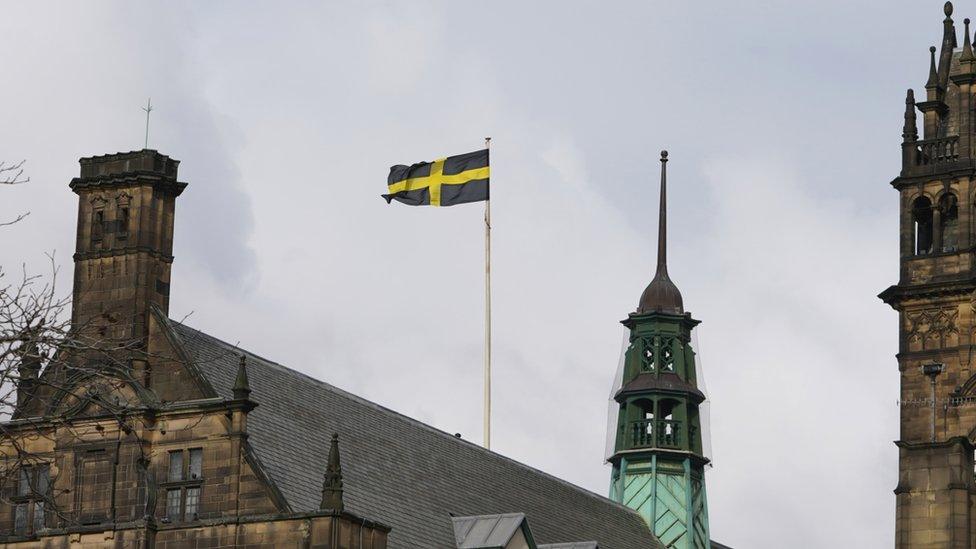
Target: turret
pixel 658 459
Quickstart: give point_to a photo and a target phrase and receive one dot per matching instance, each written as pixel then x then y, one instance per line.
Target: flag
pixel 444 182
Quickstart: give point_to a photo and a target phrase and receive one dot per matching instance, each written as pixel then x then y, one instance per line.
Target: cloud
pixel 286 117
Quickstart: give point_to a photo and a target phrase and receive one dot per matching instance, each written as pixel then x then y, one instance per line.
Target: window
pixel 922 225
pixel 173 504
pixel 183 484
pixel 175 466
pixel 949 222
pixel 123 224
pixel 98 225
pixel 94 486
pixel 667 354
pixel 196 463
pixel 647 354
pixel 33 492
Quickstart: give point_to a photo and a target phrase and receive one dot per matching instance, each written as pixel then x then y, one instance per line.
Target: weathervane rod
pixel 148 108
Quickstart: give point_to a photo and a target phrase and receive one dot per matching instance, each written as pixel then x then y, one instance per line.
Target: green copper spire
pixel 658 459
pixel 661 294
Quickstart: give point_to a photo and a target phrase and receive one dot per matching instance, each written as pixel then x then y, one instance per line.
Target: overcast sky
pixel 783 122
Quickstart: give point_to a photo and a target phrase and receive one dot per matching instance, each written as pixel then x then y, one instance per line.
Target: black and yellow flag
pixel 444 182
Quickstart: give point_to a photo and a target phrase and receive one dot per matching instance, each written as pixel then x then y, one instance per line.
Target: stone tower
pixel 124 249
pixel 658 461
pixel 935 301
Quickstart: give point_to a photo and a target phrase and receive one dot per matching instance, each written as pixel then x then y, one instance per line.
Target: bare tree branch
pixel 13 174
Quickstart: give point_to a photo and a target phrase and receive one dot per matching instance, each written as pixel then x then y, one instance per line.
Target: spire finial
pixel 933 81
pixel 662 218
pixel 242 387
pixel 909 133
pixel 661 294
pixel 948 45
pixel 332 486
pixel 967 45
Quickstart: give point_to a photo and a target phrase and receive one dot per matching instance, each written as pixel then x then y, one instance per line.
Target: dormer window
pixel 183 483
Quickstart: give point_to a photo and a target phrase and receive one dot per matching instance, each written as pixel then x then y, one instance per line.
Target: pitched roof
pixel 397 470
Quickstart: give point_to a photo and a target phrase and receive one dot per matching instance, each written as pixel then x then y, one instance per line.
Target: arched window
pixel 949 222
pixel 922 225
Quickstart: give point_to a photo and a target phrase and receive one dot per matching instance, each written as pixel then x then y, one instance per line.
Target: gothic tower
pixel 124 249
pixel 658 462
pixel 936 304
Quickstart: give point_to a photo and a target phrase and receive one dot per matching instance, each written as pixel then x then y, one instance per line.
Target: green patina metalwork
pixel 658 464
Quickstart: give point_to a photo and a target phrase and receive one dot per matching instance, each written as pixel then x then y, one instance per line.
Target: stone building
pixel 149 433
pixel 936 303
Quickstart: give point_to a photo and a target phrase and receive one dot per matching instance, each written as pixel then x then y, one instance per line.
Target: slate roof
pixel 396 470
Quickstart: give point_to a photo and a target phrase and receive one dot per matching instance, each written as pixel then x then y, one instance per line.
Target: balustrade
pixel 659 433
pixel 937 151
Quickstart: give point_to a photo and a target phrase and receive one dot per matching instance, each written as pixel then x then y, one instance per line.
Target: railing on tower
pixel 655 433
pixel 937 151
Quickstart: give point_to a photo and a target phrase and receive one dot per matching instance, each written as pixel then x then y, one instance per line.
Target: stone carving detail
pixel 932 325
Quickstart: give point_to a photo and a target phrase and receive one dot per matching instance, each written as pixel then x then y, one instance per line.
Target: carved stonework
pixel 932 327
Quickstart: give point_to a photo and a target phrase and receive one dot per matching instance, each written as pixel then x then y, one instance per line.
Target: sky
pixel 783 123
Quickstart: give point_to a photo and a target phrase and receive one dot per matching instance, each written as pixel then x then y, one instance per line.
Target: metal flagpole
pixel 488 311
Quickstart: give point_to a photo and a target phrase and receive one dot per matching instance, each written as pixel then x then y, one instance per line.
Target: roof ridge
pixel 408 419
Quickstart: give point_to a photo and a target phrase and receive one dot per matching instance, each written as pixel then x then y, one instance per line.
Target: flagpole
pixel 487 429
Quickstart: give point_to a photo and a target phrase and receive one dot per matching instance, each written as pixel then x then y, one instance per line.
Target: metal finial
pixel 947 9
pixel 661 294
pixel 662 231
pixel 148 108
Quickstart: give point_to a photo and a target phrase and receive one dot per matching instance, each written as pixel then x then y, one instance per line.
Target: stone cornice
pixel 128 179
pixel 894 295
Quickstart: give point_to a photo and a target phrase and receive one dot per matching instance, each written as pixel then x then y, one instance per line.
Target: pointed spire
pixel 948 45
pixel 933 81
pixel 242 388
pixel 909 133
pixel 967 45
pixel 661 295
pixel 662 218
pixel 332 486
